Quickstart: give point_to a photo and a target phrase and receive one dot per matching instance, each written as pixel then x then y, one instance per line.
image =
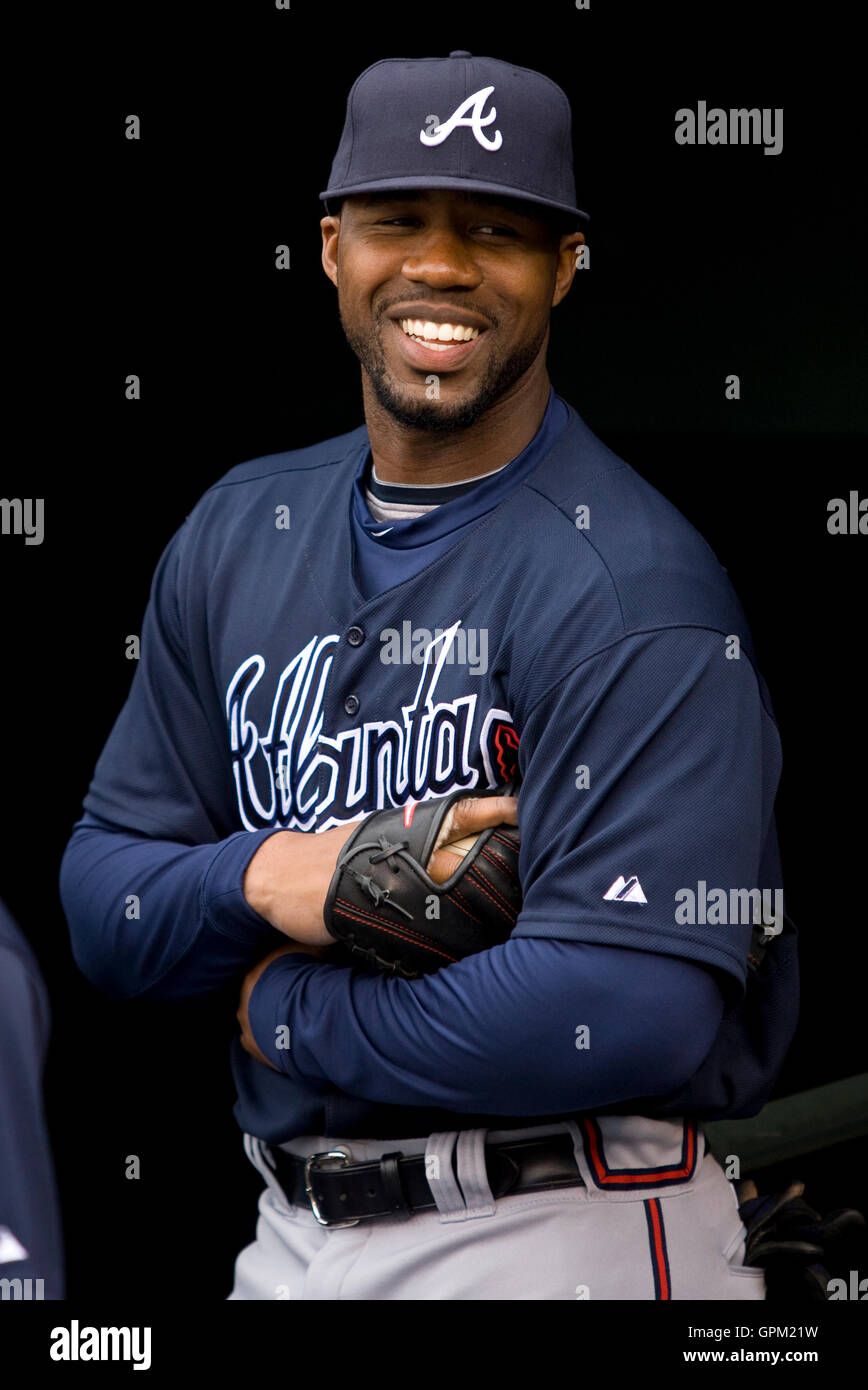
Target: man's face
pixel 484 273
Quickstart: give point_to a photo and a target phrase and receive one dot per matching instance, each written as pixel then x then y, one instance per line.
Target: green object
pixel 794 1125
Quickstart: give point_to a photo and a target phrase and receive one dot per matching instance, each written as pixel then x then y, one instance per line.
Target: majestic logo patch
pixel 476 122
pixel 625 891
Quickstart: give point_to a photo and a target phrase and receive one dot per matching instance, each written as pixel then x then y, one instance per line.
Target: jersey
pixel 561 620
pixel 31 1243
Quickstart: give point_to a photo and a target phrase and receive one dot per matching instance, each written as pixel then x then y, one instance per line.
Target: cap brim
pixel 466 185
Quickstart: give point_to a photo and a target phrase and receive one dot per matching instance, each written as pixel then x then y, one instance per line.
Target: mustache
pixel 447 304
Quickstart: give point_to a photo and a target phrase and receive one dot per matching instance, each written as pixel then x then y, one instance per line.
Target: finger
pixel 461 826
pixel 472 814
pixel 479 812
pixel 442 865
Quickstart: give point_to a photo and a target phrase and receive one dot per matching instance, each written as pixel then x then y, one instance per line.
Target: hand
pixel 465 820
pixel 248 1042
pixel 288 878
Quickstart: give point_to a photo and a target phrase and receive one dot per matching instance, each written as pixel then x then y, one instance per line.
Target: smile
pixel 427 346
pixel 438 334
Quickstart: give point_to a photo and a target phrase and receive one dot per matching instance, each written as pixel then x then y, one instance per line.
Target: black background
pixel 158 257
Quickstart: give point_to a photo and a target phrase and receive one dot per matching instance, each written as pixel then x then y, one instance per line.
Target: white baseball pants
pixel 656 1219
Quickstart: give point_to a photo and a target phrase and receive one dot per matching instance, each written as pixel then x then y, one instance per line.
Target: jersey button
pixel 351 704
pixel 355 636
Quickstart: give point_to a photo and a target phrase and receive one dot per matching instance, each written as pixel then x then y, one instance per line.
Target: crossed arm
pixel 288 879
pixel 492 1034
pixel 532 1026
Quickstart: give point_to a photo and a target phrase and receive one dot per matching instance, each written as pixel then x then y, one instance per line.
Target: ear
pixel 566 268
pixel 331 228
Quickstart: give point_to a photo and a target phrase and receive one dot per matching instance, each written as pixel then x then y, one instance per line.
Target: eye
pixel 495 230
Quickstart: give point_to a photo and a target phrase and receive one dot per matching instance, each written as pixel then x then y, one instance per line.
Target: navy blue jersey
pixel 31 1248
pixel 560 619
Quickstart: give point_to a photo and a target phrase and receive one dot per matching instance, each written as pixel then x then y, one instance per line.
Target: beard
pixel 437 416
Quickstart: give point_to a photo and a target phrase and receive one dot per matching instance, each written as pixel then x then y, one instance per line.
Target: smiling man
pixel 458 284
pixel 523 1123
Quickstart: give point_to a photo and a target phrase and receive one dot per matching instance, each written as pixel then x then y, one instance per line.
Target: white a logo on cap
pixel 476 122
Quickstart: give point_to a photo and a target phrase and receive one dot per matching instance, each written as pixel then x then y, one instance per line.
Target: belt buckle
pixel 310 1162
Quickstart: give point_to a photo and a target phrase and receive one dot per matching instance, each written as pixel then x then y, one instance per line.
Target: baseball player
pixel 448 743
pixel 31 1238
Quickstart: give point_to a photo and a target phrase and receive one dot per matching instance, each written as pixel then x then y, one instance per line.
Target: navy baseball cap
pixel 458 122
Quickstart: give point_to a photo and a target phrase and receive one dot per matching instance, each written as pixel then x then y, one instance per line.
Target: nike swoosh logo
pixel 383 533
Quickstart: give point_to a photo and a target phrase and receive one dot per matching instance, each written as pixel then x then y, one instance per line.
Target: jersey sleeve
pixel 525 1028
pixel 31 1241
pixel 164 770
pixel 646 807
pixel 152 877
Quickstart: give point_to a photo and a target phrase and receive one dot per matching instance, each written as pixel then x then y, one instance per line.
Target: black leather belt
pixel 395 1185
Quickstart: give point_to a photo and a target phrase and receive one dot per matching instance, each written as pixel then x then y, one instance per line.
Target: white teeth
pixel 435 334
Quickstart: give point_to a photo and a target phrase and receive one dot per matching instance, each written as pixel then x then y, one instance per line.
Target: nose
pixel 443 260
